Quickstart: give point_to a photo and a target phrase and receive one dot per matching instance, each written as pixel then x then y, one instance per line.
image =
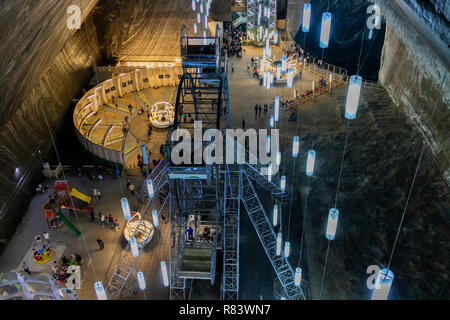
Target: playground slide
pixel 68 223
pixel 77 194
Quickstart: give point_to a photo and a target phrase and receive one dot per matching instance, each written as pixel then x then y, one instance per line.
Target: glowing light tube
pixel 269 79
pixel 204 37
pixel 193 5
pixel 287 249
pixel 269 172
pixel 295 146
pixel 144 153
pixel 201 8
pixel 100 291
pixel 268 144
pixel 298 276
pixel 310 162
pixel 370 34
pixel 353 93
pixel 195 28
pixel 333 216
pixel 272 121
pixel 383 285
pixel 165 277
pixel 283 183
pixel 325 31
pixel 206 22
pixel 150 189
pixel 259 14
pixel 278 159
pixel 306 17
pixel 284 63
pixel 277 109
pixel 125 208
pixel 134 247
pixel 275 215
pixel 140 275
pixel 290 78
pixel 279 243
pixel 198 18
pixel 275 36
pixel 278 71
pixel 155 218
pixel 265 78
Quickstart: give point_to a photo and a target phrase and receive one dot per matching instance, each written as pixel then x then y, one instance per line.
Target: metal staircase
pixel 266 234
pixel 231 229
pixel 117 285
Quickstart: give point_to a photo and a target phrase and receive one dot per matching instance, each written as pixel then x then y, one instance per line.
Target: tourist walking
pixel 259 108
pixel 243 124
pixel 101 244
pixel 256 109
pixel 116 225
pixel 26 268
pixel 46 236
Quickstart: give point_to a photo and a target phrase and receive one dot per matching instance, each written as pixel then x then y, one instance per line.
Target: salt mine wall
pixel 44 65
pixel 413 71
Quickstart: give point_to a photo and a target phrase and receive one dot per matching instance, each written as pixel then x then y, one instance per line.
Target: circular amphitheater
pixel 116 117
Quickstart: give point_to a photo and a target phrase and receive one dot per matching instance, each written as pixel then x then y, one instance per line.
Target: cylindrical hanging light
pixel 268 144
pixel 383 285
pixel 199 20
pixel 278 71
pixel 333 216
pixel 193 5
pixel 278 159
pixel 144 153
pixel 279 243
pixel 306 17
pixel 290 78
pixel 140 275
pixel 150 189
pixel 206 21
pixel 275 36
pixel 310 162
pixel 164 275
pixel 155 218
pixel 275 215
pixel 283 183
pixel 100 291
pixel 125 208
pixel 134 247
pixel 287 249
pixel 265 78
pixel 295 146
pixel 204 37
pixel 353 94
pixel 195 28
pixel 269 79
pixel 277 108
pixel 298 276
pixel 201 8
pixel 259 14
pixel 284 63
pixel 326 29
pixel 272 121
pixel 269 172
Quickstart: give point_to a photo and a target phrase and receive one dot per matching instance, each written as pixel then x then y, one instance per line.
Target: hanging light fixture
pixel 333 216
pixel 204 37
pixel 150 189
pixel 144 153
pixel 306 17
pixel 298 276
pixel 155 218
pixel 287 249
pixel 195 28
pixel 295 146
pixel 325 31
pixel 269 79
pixel 277 108
pixel 383 285
pixel 278 159
pixel 275 36
pixel 125 208
pixel 198 18
pixel 100 291
pixel 275 215
pixel 284 63
pixel 269 172
pixel 283 183
pixel 201 8
pixel 134 247
pixel 279 243
pixel 290 78
pixel 268 144
pixel 140 275
pixel 310 162
pixel 259 14
pixel 272 121
pixel 193 5
pixel 278 71
pixel 353 94
pixel 164 274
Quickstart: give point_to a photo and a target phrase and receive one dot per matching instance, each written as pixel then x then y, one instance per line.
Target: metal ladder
pixel 267 236
pixel 230 273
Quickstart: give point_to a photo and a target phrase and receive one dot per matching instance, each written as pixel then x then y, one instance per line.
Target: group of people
pixel 233 43
pixel 60 272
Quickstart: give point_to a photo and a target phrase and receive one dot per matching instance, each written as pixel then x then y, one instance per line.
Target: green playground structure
pixel 68 223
